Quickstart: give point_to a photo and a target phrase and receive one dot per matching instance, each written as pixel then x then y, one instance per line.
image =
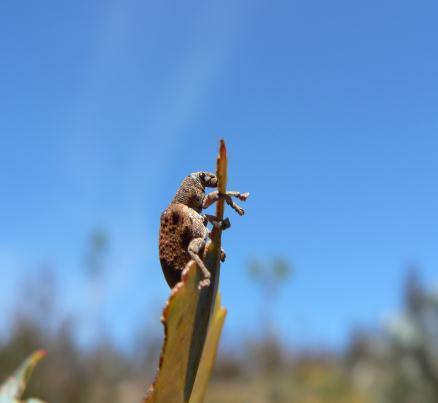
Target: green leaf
pixel 179 320
pixel 12 390
pixel 190 342
pixel 209 353
pixel 207 296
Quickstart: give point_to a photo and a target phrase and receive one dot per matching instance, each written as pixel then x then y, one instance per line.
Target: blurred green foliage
pixel 393 363
pixel 11 391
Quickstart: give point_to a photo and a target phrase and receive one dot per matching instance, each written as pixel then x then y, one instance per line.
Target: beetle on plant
pixel 183 229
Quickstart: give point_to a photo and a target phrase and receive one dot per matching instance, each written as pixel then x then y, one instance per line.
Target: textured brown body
pixel 183 230
pixel 179 226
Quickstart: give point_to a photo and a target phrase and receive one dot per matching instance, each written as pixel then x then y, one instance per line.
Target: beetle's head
pixel 207 179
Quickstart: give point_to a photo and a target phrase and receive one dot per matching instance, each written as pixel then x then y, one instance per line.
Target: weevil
pixel 183 227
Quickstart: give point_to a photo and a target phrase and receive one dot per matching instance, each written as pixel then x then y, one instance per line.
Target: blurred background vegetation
pixel 396 362
pixel 329 110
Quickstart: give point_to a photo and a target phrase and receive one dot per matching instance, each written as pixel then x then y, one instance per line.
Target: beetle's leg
pixel 223 254
pixel 240 196
pixel 195 248
pixel 233 205
pixel 216 195
pixel 220 224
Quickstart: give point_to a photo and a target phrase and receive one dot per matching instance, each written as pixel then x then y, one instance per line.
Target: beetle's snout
pixel 208 179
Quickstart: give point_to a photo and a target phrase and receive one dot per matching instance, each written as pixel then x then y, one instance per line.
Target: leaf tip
pixel 222 148
pixel 39 354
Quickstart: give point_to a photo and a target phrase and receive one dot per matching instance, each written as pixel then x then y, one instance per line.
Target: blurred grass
pixel 394 363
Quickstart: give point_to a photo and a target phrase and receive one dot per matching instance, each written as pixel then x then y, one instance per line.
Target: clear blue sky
pixel 329 110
